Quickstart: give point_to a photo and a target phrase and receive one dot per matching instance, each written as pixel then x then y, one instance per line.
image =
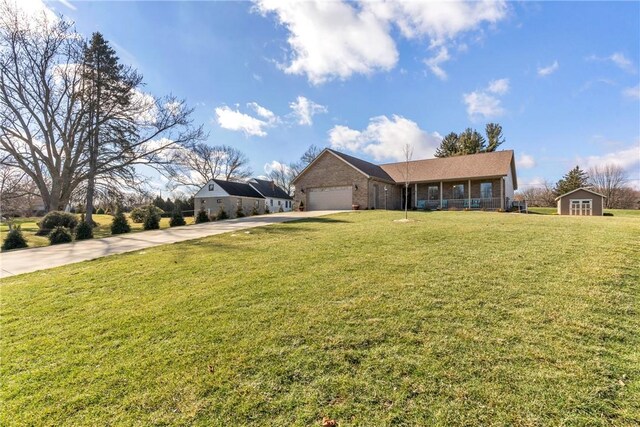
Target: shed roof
pixel 578 189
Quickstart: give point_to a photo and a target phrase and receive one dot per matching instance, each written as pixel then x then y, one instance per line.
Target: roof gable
pixel 367 169
pixel 580 189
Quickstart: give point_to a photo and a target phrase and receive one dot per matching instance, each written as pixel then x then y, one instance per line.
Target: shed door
pixel 333 198
pixel 580 207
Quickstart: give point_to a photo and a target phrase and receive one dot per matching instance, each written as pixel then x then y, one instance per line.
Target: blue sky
pixel 272 78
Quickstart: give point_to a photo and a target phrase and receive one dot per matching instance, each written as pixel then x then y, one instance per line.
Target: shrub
pixel 255 211
pixel 57 219
pixel 84 230
pixel 239 212
pixel 100 211
pixel 202 217
pixel 137 215
pixel 177 219
pixel 151 219
pixel 280 209
pixel 60 235
pixel 266 209
pixel 120 225
pixel 222 214
pixel 607 214
pixel 14 240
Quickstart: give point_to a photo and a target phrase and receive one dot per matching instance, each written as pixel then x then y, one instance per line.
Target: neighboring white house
pixel 252 196
pixel 276 199
pixel 230 196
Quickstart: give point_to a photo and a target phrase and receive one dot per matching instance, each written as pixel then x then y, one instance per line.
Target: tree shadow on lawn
pixel 319 220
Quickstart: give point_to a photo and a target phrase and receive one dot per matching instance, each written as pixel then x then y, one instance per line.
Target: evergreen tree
pixel 202 217
pixel 108 88
pixel 470 142
pixel 494 136
pixel 572 180
pixel 14 239
pixel 151 219
pixel 120 224
pixel 177 219
pixel 449 146
pixel 84 229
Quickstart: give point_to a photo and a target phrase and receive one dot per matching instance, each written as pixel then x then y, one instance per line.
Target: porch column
pixel 440 194
pixel 469 194
pixel 502 193
pixel 415 199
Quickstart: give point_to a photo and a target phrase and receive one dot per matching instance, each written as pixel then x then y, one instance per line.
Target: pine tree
pixel 448 146
pixel 572 180
pixel 494 136
pixel 470 142
pixel 108 89
pixel 120 224
pixel 14 239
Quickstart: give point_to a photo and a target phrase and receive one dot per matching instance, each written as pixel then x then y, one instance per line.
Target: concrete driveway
pixel 28 260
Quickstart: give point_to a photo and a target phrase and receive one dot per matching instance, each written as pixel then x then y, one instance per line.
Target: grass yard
pixel 457 318
pixel 29 227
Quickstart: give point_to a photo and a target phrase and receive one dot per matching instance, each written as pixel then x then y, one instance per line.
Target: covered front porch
pixel 476 194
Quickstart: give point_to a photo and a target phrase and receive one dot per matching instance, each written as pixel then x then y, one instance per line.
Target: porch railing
pixel 476 203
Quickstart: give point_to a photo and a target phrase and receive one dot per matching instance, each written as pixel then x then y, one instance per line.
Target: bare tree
pixel 608 180
pixel 199 163
pixel 44 119
pixel 540 195
pixel 405 172
pixel 282 175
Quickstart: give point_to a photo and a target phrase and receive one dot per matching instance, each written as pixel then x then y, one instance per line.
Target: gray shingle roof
pixel 364 166
pixel 238 189
pixel 269 189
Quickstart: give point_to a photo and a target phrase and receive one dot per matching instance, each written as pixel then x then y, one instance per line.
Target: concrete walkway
pixel 28 260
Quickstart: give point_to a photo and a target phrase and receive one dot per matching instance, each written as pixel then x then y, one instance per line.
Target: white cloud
pixel 234 120
pixel 276 165
pixel 332 39
pixel 628 158
pixel 632 92
pixel 434 63
pixel 499 87
pixel 618 59
pixel 336 39
pixel 483 104
pixel 304 109
pixel 262 112
pixel 384 138
pixel 546 71
pixel 525 161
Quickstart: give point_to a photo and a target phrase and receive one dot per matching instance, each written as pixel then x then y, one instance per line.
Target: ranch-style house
pixel 335 180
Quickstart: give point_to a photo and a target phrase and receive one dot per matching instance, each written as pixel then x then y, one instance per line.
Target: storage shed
pixel 581 202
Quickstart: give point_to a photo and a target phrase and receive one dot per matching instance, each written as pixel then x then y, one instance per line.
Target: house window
pixel 458 191
pixel 486 190
pixel 218 201
pixel 279 202
pixel 239 203
pixel 210 187
pixel 271 202
pixel 432 192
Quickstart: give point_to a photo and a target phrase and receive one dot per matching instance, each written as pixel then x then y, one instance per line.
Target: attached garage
pixel 581 202
pixel 329 198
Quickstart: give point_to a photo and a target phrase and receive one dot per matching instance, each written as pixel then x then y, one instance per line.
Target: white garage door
pixel 331 198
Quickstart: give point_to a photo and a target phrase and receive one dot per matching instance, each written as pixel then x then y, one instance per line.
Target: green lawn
pixel 29 226
pixel 456 318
